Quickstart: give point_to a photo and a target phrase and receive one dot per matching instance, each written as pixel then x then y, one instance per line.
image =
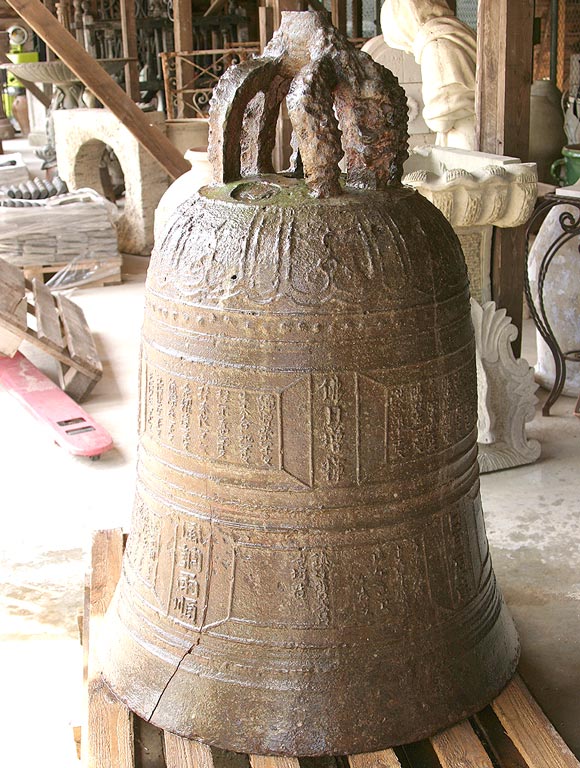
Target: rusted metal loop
pixel 323 77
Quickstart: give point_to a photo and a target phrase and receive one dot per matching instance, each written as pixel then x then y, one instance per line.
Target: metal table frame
pixel 570 223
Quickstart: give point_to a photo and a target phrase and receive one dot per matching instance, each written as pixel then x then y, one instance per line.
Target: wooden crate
pixel 111 268
pixel 54 324
pixel 511 733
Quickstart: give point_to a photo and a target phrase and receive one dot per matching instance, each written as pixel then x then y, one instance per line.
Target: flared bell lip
pixel 261 744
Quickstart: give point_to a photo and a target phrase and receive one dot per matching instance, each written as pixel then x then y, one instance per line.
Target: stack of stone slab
pixel 77 228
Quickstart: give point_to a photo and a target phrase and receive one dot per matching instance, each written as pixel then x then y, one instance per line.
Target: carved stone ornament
pixel 308 571
pixel 474 188
pixel 505 388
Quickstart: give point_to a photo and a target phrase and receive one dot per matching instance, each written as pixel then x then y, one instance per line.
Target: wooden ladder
pixel 53 324
pixel 511 733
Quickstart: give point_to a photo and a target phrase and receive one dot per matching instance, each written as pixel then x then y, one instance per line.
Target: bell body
pixel 308 570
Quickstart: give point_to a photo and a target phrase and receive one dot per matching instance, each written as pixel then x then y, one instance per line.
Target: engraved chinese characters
pixel 308 570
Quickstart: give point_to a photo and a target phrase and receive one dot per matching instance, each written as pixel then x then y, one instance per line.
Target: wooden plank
pixel 13 306
pixel 496 740
pixel 77 334
pixel 77 384
pixel 12 295
pixel 184 753
pixel 102 85
pixel 183 36
pixel 338 14
pixel 47 318
pixel 384 759
pixel 129 37
pixel 357 18
pixel 266 21
pixel 9 339
pixel 507 275
pixel 459 747
pixel 108 736
pixel 270 761
pixel 113 264
pixel 504 77
pixel 215 7
pixel 528 727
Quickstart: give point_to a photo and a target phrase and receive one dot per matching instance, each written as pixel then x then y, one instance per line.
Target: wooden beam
pixel 504 78
pixel 357 18
pixel 215 6
pixel 101 84
pixel 129 35
pixel 266 21
pixel 338 14
pixel 183 37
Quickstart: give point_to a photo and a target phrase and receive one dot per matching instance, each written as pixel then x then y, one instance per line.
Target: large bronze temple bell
pixel 308 571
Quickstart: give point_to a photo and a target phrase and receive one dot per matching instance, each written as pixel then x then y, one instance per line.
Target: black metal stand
pixel 570 223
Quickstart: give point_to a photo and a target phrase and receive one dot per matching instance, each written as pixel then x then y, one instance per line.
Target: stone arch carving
pixel 80 137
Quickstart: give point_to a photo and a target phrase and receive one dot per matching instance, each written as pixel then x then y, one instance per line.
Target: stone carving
pixel 479 189
pixel 446 51
pixel 82 136
pixel 505 387
pixel 321 535
pixel 475 191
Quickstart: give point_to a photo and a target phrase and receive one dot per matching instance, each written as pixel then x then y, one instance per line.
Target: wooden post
pixel 50 6
pixel 266 21
pixel 183 36
pixel 129 35
pixel 338 14
pixel 102 85
pixel 504 77
pixel 357 18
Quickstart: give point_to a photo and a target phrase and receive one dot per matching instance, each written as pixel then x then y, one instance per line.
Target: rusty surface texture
pixel 315 68
pixel 308 571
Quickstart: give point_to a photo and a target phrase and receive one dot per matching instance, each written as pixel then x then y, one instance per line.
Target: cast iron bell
pixel 308 571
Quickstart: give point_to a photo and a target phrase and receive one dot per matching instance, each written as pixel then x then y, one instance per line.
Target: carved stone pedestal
pixel 505 389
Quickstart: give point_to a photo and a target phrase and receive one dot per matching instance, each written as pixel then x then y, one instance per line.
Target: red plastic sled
pixel 70 426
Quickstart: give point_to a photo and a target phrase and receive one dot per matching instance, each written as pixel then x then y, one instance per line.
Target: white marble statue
pixel 446 51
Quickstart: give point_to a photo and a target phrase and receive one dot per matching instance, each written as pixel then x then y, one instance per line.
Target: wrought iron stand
pixel 570 223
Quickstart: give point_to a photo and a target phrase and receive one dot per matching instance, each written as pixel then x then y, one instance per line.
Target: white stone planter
pixel 475 191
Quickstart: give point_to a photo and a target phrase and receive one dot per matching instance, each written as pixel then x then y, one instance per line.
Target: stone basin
pixel 475 191
pixel 57 72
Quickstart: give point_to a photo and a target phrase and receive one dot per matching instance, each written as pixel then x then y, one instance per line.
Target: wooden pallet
pixel 53 324
pixel 111 266
pixel 511 733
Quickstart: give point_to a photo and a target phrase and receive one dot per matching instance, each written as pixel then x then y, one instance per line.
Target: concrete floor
pixel 51 502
